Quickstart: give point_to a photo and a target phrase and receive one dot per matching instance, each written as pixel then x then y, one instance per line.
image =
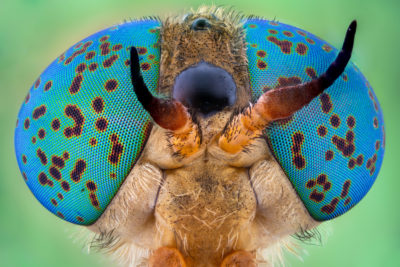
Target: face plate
pixel 81 129
pixel 332 149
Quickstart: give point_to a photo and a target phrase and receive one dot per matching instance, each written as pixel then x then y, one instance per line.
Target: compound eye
pixel 200 24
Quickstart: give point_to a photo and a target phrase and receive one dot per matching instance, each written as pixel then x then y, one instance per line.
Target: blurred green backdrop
pixel 34 32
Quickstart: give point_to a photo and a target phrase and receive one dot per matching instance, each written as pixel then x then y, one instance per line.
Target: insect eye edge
pixel 200 24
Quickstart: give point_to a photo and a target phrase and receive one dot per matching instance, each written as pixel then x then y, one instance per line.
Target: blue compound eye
pixel 81 128
pixel 332 149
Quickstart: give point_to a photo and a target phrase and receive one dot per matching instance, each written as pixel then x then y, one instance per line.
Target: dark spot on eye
pixel 113 175
pixel 65 186
pixel 310 183
pixel 347 201
pixel 66 155
pixel 310 41
pixel 322 131
pixel 33 140
pixel 54 202
pixel 371 96
pixel 327 186
pixel 43 180
pixel 59 214
pixel 330 208
pixel 272 31
pixel 24 175
pixel 101 124
pixel 261 64
pixel 111 85
pixel 93 66
pixel 377 144
pixel 326 103
pixel 284 45
pixel 321 179
pixel 298 138
pixel 61 58
pixel 91 186
pixel 58 161
pixel 117 47
pixel 151 57
pixel 94 200
pixel 37 83
pixel 48 85
pixel 55 124
pixel 351 121
pixel 27 97
pixel 78 52
pixel 301 49
pixel 253 26
pixel 288 34
pixel 105 48
pixel 350 136
pixel 301 33
pixel 326 48
pixel 288 81
pixel 93 142
pixel 73 112
pixel 116 150
pixel 296 148
pixel 41 133
pixel 317 196
pixel 42 156
pixel 339 142
pixel 376 123
pixel 98 104
pixel 254 45
pixel 39 112
pixel 27 123
pixel 79 219
pixel 299 161
pixel 24 160
pixel 371 164
pixel 335 120
pixel 55 173
pixel 261 53
pixel 79 169
pixel 127 62
pixel 108 62
pixel 145 66
pixel 347 148
pixel 90 55
pixel 152 30
pixel 360 160
pixel 311 73
pixel 345 188
pixel 344 77
pixel 141 50
pixel 76 84
pixel 80 68
pixel 329 155
pixel 351 164
pixel 60 196
pixel 104 38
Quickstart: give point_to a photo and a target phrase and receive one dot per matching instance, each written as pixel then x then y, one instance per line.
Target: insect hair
pixel 309 236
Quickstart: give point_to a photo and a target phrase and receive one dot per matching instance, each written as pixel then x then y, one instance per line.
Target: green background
pixel 34 32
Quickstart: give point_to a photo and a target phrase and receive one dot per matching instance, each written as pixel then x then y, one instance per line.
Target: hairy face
pixel 188 191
